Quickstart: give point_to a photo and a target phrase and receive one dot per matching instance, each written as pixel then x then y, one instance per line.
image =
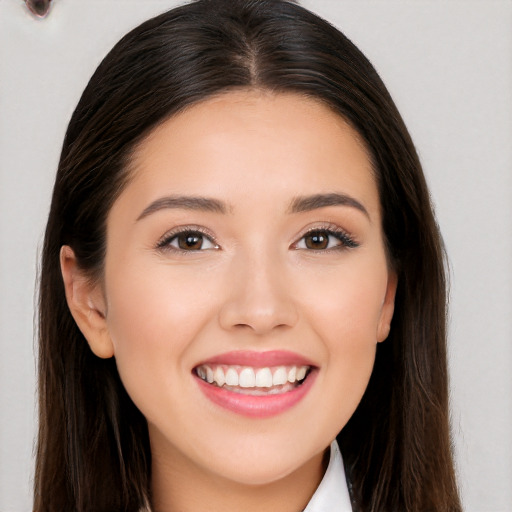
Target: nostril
pixel 39 7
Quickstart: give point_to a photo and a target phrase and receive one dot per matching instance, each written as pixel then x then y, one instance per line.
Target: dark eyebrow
pixel 308 203
pixel 204 204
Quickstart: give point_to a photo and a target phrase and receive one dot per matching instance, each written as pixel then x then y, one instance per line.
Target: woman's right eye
pixel 188 241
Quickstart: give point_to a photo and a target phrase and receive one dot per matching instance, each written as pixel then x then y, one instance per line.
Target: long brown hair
pixel 93 449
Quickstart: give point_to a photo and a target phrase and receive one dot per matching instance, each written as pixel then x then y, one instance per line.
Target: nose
pixel 259 297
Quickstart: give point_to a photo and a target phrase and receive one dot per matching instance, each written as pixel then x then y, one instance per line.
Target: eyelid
pixel 348 241
pixel 164 241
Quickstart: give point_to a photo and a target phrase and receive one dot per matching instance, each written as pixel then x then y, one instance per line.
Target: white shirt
pixel 332 494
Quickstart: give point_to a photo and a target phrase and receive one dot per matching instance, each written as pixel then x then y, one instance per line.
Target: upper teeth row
pixel 247 377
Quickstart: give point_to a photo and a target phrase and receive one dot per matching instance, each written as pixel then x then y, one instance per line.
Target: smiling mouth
pixel 254 381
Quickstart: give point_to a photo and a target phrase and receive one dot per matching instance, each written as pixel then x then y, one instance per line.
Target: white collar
pixel 332 494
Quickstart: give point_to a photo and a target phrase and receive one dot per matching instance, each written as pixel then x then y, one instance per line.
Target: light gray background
pixel 448 65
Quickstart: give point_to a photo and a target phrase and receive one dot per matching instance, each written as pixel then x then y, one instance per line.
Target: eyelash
pixel 164 244
pixel 346 240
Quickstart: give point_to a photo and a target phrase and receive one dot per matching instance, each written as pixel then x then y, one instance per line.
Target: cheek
pixel 346 302
pixel 155 305
pixel 344 312
pixel 153 318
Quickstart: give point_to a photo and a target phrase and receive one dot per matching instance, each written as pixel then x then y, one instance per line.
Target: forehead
pixel 240 143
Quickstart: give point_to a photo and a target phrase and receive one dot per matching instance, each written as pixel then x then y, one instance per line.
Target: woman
pixel 241 265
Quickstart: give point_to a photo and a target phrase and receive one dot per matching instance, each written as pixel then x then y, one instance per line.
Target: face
pixel 246 284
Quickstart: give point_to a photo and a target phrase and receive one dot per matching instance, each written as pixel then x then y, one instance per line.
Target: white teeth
pixel 232 377
pixel 264 378
pixel 280 377
pixel 247 379
pixel 218 376
pixel 301 373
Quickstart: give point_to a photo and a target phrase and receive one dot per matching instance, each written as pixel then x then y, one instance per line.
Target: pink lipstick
pixel 256 384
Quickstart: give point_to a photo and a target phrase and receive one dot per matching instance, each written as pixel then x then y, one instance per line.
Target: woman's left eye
pixel 188 241
pixel 324 239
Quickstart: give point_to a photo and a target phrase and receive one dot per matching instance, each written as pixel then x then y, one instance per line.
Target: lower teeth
pixel 262 391
pixel 275 390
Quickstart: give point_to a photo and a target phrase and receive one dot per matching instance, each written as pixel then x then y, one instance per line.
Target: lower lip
pixel 256 406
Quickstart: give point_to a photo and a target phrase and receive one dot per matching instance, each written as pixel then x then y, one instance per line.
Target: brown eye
pixel 325 240
pixel 188 240
pixel 317 240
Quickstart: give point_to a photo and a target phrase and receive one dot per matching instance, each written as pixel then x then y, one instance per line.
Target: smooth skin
pixel 259 273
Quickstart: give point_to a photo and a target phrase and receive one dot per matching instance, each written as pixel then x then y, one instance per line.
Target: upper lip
pixel 258 359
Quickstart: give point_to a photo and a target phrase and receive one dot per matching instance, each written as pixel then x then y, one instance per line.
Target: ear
pixel 86 303
pixel 388 307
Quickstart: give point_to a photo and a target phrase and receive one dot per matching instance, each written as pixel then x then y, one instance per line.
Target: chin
pixel 260 472
pixel 263 460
